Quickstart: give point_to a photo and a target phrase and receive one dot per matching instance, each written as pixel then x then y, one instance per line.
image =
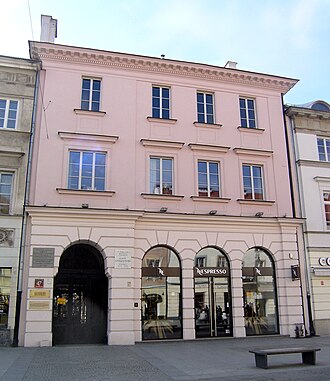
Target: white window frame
pixel 90 100
pixel 208 162
pixel 205 114
pixel 325 141
pixel 161 98
pixel 251 166
pixel 80 177
pixel 11 190
pixel 161 158
pixel 248 120
pixel 325 203
pixel 6 116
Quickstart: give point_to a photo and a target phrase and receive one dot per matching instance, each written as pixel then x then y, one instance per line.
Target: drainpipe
pixel 26 202
pixel 307 280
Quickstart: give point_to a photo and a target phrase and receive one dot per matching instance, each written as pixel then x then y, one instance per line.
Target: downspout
pixel 308 295
pixel 24 219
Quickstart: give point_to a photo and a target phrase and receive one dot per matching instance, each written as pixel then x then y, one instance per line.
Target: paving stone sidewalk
pixel 207 360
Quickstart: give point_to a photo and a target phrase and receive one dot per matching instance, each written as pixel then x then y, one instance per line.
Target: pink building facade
pixel 160 204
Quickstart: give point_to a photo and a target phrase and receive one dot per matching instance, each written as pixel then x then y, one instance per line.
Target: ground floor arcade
pixel 120 277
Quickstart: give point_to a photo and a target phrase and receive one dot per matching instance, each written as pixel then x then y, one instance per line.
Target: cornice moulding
pixel 70 54
pixel 84 136
pixel 254 152
pixel 161 143
pixel 208 147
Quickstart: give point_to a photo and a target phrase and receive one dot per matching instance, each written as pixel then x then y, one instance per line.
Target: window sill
pixel 207 125
pixel 85 192
pixel 255 202
pixel 223 200
pixel 162 120
pixel 79 111
pixel 249 129
pixel 152 196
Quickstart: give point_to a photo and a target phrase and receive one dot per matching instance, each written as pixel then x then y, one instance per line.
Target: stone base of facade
pixel 6 338
pixel 322 326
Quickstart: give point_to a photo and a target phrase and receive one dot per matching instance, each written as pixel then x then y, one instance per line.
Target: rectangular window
pixel 205 112
pixel 160 102
pixel 326 199
pixel 87 170
pixel 91 94
pixel 8 113
pixel 208 179
pixel 5 283
pixel 161 175
pixel 247 111
pixel 6 185
pixel 323 146
pixel 253 183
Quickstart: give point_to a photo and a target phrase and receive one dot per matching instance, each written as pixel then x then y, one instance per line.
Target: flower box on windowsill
pixel 156 196
pixel 224 200
pixel 88 192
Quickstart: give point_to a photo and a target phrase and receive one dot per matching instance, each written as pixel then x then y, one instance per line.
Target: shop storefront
pixel 260 300
pixel 213 316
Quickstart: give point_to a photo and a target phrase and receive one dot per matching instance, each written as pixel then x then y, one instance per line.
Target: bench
pixel 261 355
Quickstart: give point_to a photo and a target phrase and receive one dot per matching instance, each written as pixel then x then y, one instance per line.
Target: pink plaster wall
pixel 126 99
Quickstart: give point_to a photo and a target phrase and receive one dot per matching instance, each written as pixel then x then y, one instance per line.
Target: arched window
pixel 259 292
pixel 161 295
pixel 213 316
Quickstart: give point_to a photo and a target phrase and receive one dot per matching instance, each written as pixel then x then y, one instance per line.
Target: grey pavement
pixel 224 359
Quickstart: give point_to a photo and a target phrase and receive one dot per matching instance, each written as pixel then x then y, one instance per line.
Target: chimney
pixel 48 29
pixel 231 65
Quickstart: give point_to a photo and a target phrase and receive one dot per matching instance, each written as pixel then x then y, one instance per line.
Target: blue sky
pixel 289 38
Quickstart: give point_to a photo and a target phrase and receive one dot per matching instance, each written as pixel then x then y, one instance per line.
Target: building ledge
pixel 254 152
pixel 169 197
pixel 252 130
pixel 79 111
pixel 208 147
pixel 162 120
pixel 208 125
pixel 83 136
pixel 224 200
pixel 161 143
pixel 255 202
pixel 85 192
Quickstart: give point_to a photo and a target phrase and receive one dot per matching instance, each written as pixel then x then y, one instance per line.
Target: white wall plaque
pixel 123 259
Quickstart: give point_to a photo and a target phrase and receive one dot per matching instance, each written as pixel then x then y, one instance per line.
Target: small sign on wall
pixel 123 259
pixel 40 294
pixel 39 283
pixel 43 257
pixel 39 305
pixel 295 272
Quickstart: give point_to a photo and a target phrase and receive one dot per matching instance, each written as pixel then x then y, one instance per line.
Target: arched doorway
pixel 213 316
pixel 161 295
pixel 80 297
pixel 259 293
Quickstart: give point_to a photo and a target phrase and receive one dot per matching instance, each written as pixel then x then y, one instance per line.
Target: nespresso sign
pixel 211 271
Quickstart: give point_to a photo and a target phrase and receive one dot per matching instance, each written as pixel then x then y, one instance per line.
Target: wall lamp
pixel 163 209
pixel 84 206
pixel 213 212
pixel 259 214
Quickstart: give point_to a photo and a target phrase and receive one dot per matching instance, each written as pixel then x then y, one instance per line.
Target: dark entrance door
pixel 80 297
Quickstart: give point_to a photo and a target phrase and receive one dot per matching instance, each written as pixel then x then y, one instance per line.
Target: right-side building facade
pixel 309 131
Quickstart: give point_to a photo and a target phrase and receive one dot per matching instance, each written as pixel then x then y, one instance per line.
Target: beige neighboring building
pixel 17 87
pixel 309 131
